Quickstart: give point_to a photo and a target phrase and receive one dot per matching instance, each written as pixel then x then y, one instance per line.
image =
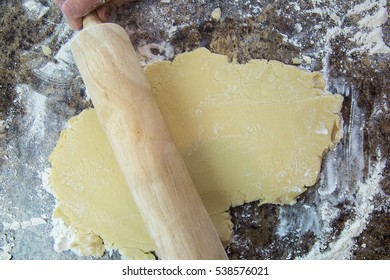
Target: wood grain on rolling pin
pixel 157 176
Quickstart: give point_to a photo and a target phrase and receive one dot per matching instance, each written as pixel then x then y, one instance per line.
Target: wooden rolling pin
pixel 158 178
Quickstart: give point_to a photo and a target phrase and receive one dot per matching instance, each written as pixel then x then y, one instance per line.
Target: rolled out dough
pixel 246 132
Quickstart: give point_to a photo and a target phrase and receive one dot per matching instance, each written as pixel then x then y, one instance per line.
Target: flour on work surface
pixel 342 247
pixel 361 24
pixel 63 236
pixel 25 203
pixel 317 26
pixel 15 225
pixel 340 184
pixel 35 9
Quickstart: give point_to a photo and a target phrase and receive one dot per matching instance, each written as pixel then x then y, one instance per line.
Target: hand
pixel 75 10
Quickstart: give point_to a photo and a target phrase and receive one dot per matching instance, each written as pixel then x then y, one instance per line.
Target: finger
pixel 74 10
pixel 105 12
pixel 76 23
pixel 77 8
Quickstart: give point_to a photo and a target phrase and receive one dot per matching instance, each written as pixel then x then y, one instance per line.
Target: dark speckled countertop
pixel 344 216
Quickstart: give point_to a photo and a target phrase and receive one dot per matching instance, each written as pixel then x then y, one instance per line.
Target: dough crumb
pixel 216 14
pixel 296 61
pixel 46 50
pixel 307 59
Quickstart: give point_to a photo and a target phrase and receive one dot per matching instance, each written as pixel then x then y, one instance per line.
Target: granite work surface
pixel 344 216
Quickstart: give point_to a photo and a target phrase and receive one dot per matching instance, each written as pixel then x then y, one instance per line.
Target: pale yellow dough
pixel 246 132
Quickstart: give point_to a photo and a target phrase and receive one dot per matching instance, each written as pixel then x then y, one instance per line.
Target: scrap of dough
pixel 246 132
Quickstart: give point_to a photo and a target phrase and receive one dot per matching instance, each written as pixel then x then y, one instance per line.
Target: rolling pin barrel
pixel 157 177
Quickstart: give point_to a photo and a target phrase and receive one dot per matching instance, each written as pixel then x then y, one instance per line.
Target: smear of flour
pixel 45 175
pixel 15 225
pixel 355 191
pixel 8 239
pixel 368 34
pixel 342 247
pixel 61 70
pixel 35 9
pixel 35 105
pixel 15 194
pixel 361 24
pixel 24 204
pixel 370 37
pixel 342 182
pixel 6 249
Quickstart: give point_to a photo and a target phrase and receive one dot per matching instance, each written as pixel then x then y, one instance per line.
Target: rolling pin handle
pixel 91 19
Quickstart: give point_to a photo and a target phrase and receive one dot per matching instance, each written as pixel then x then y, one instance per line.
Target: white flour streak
pixel 352 188
pixel 366 33
pixel 61 71
pixel 35 111
pixel 34 9
pixel 366 6
pixel 369 34
pixel 15 225
pixel 45 177
pixel 372 41
pixel 375 20
pixel 5 251
pixel 332 180
pixel 343 246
